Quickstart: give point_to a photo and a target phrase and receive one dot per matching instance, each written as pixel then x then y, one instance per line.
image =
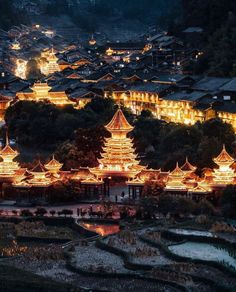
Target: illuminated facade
pixel 92 41
pixel 175 180
pixel 182 111
pixel 178 111
pixel 188 168
pixel 109 52
pixel 229 118
pixel 20 70
pixel 51 65
pixel 118 157
pixel 39 176
pixel 49 33
pixel 4 104
pixel 224 174
pixel 8 167
pixel 184 178
pixel 119 160
pixel 42 92
pixel 15 46
pixel 53 167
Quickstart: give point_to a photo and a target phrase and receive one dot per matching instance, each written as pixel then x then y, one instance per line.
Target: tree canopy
pixel 163 144
pixel 218 20
pixel 9 16
pixel 228 202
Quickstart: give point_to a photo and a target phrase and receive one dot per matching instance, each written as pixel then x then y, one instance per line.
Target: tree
pixel 152 189
pixel 228 202
pixel 176 205
pixel 32 70
pixel 45 125
pixel 149 207
pixel 40 212
pixel 10 16
pixel 217 128
pixel 204 207
pixel 26 213
pixel 166 204
pixel 15 212
pixel 52 212
pixel 84 150
pixel 218 20
pixel 185 206
pixel 34 124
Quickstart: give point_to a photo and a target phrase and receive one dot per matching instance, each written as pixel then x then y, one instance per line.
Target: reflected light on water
pixel 102 230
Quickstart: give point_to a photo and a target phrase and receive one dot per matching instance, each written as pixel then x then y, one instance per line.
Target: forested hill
pixel 9 16
pixel 218 19
pixel 91 14
pixel 208 14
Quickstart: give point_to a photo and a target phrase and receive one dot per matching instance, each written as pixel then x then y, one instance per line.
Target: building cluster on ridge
pixel 143 74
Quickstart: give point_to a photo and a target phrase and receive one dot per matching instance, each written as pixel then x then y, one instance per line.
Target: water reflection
pixel 101 229
pixel 205 251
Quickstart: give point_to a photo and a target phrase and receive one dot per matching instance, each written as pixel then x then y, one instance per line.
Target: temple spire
pixel 176 180
pixel 224 157
pixel 119 123
pixel 7 138
pixel 8 166
pixel 118 157
pixel 187 166
pixel 224 174
pixel 53 166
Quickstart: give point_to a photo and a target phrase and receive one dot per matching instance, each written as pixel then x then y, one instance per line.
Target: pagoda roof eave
pixel 119 123
pixel 53 164
pixel 224 157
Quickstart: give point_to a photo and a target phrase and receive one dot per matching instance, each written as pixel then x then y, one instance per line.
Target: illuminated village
pixel 117 146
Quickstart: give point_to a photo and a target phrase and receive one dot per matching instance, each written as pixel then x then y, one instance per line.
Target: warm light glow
pixel 51 65
pixel 21 68
pixel 102 230
pixel 8 167
pixel 147 48
pixel 16 46
pixel 42 92
pixel 53 167
pixel 177 111
pixel 175 180
pixel 118 157
pixel 224 175
pixel 49 33
pixel 40 178
pixel 109 52
pixel 92 41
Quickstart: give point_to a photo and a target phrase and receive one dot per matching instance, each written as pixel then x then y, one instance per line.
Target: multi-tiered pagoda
pixel 118 157
pixel 8 167
pixel 52 63
pixel 175 180
pixel 41 91
pixel 188 168
pixel 53 167
pixel 51 66
pixel 39 176
pixel 224 174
